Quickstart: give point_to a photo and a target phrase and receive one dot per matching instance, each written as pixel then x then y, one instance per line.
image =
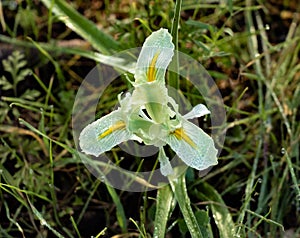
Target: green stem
pixel 175 23
pixel 174 77
pixel 179 189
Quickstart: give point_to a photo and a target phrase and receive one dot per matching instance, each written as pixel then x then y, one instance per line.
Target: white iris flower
pixel 151 116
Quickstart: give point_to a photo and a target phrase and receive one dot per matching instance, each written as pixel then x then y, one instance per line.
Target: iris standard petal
pixel 193 146
pixel 155 56
pixel 103 134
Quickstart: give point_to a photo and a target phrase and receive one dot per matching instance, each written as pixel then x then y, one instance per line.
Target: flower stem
pixel 173 77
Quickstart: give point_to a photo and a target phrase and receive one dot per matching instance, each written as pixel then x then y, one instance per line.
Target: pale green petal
pixel 139 125
pixel 157 52
pixel 165 165
pixel 125 103
pixel 197 111
pixel 150 92
pixel 103 134
pixel 193 146
pixel 154 96
pixel 147 130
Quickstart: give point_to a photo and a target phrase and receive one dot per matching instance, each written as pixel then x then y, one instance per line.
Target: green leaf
pixel 5 84
pixel 57 67
pixel 199 24
pixel 31 94
pixel 22 74
pixel 221 214
pixel 43 221
pixel 164 201
pixel 179 189
pixel 82 26
pixel 121 63
pixel 120 210
pixel 7 177
pixel 14 64
pixel 204 223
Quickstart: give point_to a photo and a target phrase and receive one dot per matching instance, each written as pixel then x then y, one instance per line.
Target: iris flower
pixel 151 116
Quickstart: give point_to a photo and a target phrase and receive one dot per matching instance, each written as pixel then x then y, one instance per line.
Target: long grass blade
pixel 82 26
pixel 119 207
pixel 173 77
pixel 44 222
pixel 113 61
pixel 221 214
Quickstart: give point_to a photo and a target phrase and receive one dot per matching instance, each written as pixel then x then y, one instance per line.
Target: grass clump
pixel 251 49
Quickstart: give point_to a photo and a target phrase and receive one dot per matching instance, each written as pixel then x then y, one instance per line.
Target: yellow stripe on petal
pixel 181 135
pixel 118 126
pixel 152 69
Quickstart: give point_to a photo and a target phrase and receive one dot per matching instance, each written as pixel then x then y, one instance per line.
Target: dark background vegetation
pixel 254 176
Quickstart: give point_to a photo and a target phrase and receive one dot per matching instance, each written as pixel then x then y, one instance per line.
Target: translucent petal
pixel 150 132
pixel 125 103
pixel 193 146
pixel 154 96
pixel 150 92
pixel 155 56
pixel 197 111
pixel 103 134
pixel 165 165
pixel 139 125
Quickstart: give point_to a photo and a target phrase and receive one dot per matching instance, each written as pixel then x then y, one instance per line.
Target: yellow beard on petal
pixel 152 69
pixel 181 135
pixel 118 126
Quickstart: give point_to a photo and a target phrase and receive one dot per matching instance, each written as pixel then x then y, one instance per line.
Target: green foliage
pixel 14 65
pixel 252 53
pixel 203 220
pixel 101 41
pixel 26 19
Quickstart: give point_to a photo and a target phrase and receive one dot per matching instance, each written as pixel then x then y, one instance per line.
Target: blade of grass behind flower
pixel 87 159
pixel 220 211
pixel 119 207
pixel 98 57
pixel 82 26
pixel 43 221
pixel 174 77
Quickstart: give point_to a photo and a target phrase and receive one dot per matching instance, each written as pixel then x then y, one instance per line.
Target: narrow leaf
pixel 179 189
pixel 82 26
pixel 119 207
pixel 221 214
pixel 164 202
